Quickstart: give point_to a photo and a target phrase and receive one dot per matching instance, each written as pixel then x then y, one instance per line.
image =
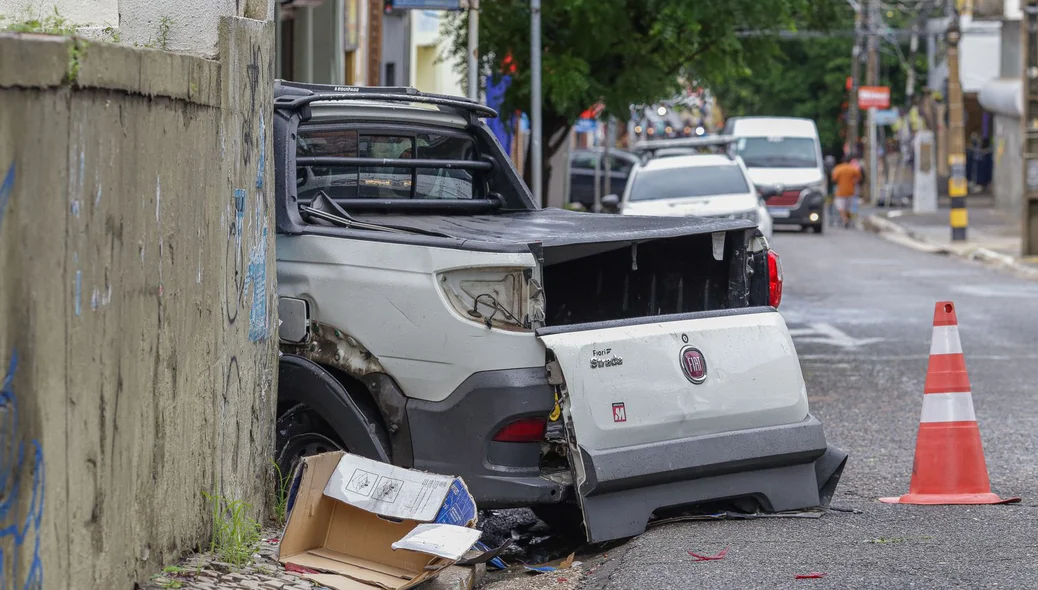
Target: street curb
pixel 894 232
pixel 456 577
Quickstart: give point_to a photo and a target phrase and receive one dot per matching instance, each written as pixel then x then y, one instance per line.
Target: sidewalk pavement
pixel 993 234
pixel 206 572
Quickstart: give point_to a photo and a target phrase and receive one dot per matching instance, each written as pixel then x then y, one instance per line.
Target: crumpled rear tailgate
pixel 678 410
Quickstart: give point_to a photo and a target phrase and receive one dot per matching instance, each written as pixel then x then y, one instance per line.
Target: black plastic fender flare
pixel 306 382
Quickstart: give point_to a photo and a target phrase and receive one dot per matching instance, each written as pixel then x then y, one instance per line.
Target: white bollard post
pixel 924 173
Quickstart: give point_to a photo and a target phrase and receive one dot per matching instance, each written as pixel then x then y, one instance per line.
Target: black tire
pixel 818 228
pixel 301 432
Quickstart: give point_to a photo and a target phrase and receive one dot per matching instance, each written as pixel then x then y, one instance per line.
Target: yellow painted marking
pixel 957 188
pixel 959 218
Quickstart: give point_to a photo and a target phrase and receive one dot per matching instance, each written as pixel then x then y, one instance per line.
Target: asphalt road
pixel 861 313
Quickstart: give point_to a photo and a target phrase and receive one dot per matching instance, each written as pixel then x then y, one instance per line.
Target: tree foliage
pixel 624 52
pixel 807 78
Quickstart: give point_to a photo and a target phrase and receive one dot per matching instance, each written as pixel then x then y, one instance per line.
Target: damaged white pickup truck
pixel 434 317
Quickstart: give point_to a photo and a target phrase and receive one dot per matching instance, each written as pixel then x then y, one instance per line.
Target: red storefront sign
pixel 874 97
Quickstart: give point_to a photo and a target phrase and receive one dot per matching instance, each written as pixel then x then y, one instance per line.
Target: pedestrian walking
pixel 847 176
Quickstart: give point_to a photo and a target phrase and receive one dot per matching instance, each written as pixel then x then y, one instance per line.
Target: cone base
pixel 949 499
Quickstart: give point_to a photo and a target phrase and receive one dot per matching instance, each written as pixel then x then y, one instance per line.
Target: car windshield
pixel 691 181
pixel 777 152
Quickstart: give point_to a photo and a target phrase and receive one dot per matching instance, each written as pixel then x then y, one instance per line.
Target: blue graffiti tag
pixel 239 213
pixel 262 166
pixel 12 469
pixel 5 191
pixel 258 277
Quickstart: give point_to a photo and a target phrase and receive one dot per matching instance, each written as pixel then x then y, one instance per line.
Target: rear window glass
pixel 383 181
pixel 692 181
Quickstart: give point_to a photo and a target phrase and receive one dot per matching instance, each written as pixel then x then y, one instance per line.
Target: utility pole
pixel 610 134
pixel 913 49
pixel 596 205
pixel 957 187
pixel 1029 121
pixel 872 78
pixel 537 155
pixel 852 103
pixel 474 49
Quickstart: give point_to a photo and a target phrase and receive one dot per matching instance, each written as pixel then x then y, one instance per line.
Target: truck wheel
pixel 301 432
pixel 818 228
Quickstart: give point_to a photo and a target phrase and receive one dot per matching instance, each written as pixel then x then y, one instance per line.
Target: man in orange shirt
pixel 847 176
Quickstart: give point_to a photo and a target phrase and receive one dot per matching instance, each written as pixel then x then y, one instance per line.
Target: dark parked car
pixel 582 174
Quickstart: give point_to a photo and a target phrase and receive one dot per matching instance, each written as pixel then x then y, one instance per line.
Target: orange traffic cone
pixel 949 463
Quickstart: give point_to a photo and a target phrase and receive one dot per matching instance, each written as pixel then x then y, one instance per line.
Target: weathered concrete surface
pixel 1008 178
pixel 137 328
pixel 188 26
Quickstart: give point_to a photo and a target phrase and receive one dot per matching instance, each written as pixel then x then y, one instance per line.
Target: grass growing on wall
pixel 236 535
pixel 280 494
pixel 52 24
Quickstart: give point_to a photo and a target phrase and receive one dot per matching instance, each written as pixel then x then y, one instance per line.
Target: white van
pixel 784 153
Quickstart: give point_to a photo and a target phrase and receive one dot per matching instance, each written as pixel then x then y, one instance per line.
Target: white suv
pixel 700 185
pixel 435 318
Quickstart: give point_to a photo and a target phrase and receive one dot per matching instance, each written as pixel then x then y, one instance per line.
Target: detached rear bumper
pixel 786 467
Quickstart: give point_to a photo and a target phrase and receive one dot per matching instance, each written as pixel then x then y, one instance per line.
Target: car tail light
pixel 524 430
pixel 774 279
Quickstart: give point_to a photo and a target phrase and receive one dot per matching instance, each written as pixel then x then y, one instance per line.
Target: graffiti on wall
pixel 5 191
pixel 246 284
pixel 21 479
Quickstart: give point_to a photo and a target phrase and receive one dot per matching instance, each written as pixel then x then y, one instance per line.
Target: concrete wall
pixel 137 281
pixel 189 26
pixel 1008 164
pixel 95 13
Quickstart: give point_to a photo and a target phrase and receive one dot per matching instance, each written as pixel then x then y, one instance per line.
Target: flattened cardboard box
pixel 345 513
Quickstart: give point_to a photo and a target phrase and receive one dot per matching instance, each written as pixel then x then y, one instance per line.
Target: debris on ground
pixel 206 572
pixel 533 542
pixel 357 521
pixel 570 578
pixel 718 557
pixel 810 576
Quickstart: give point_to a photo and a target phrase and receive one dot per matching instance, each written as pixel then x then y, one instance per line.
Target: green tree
pixel 807 78
pixel 623 52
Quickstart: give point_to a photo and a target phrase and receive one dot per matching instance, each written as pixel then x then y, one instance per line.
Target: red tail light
pixel 525 430
pixel 774 279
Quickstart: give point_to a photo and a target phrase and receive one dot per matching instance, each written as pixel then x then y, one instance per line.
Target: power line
pixel 898 34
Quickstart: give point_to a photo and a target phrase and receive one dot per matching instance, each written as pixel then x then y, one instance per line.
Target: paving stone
pixel 455 577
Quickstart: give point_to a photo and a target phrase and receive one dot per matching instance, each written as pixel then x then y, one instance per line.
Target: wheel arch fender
pixel 304 381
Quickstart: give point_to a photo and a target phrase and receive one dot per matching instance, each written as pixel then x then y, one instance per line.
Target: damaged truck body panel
pixel 630 364
pixel 679 410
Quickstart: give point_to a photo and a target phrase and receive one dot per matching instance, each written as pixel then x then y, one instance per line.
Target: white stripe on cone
pixel 945 340
pixel 948 407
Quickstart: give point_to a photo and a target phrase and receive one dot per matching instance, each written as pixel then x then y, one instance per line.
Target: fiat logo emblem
pixel 693 364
